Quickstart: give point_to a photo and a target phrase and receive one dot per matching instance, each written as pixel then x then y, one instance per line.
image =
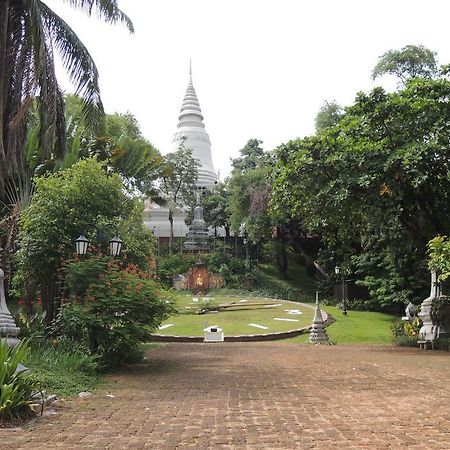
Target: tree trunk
pixel 281 255
pixel 48 299
pixel 4 8
pixel 171 231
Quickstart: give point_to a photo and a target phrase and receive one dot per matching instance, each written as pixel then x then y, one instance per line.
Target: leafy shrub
pixel 234 270
pixel 439 252
pixel 63 368
pixel 32 327
pixel 172 265
pixel 405 333
pixel 114 311
pixel 16 387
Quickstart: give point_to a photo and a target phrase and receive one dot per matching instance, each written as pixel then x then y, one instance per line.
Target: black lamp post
pixel 114 245
pixel 337 271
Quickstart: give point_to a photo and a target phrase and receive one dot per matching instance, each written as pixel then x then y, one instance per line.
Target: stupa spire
pixel 191 133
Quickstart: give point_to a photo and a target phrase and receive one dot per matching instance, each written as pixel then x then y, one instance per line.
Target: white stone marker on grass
pixel 293 311
pixel 167 325
pixel 263 327
pixel 285 320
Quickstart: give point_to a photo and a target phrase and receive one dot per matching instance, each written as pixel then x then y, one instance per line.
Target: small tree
pixel 179 175
pixel 66 204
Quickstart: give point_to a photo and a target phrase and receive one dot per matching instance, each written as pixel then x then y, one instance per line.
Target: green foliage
pixel 16 387
pixel 171 265
pixel 66 204
pixel 329 115
pixel 356 304
pixel 409 62
pixel 32 32
pixel 406 333
pixel 31 327
pixel 63 368
pixel 375 188
pixel 249 189
pixel 215 207
pixel 234 270
pixel 439 253
pixel 179 175
pixel 114 311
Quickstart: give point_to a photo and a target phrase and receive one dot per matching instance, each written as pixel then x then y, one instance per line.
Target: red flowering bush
pixel 111 309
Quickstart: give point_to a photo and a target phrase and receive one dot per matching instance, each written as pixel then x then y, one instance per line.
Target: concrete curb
pixel 248 337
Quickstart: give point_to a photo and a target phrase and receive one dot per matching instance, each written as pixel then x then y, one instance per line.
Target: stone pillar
pixel 428 331
pixel 318 333
pixel 8 327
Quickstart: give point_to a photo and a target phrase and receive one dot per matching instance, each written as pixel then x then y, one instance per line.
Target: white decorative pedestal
pixel 213 334
pixel 8 328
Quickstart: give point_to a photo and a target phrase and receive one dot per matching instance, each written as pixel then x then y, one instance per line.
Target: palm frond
pixel 108 10
pixel 79 64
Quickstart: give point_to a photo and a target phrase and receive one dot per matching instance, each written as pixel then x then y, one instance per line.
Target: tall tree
pixel 409 62
pixel 376 187
pixel 30 32
pixel 178 178
pixel 249 186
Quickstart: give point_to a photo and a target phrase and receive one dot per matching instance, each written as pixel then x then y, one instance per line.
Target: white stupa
pixel 192 134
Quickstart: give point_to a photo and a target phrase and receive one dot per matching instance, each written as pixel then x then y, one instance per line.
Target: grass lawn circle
pixel 245 318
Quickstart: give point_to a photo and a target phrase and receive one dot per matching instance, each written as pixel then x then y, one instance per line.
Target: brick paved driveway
pixel 260 396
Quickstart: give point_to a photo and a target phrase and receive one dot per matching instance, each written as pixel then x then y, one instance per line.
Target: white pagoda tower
pixel 192 134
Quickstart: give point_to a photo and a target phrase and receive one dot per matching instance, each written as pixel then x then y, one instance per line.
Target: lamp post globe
pixel 81 245
pixel 115 246
pixel 337 270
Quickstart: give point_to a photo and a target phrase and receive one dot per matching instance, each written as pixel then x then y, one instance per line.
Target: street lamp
pixel 81 245
pixel 114 245
pixel 337 271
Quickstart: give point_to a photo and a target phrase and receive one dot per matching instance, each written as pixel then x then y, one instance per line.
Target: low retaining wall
pixel 247 337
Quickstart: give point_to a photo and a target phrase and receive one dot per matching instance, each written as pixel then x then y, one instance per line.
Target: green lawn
pixel 236 321
pixel 358 327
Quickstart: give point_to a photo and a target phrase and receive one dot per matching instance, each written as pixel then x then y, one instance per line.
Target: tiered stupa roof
pixel 192 135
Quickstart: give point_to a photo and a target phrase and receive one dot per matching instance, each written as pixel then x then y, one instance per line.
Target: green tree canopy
pixel 179 173
pixel 409 62
pixel 249 187
pixel 30 33
pixel 376 187
pixel 329 115
pixel 80 200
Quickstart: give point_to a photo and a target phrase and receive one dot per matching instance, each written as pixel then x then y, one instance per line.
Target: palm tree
pixel 30 32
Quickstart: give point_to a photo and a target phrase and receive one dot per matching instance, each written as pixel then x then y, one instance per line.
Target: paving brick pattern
pixel 259 396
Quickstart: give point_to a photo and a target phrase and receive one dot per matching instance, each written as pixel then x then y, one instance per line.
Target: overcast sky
pixel 261 69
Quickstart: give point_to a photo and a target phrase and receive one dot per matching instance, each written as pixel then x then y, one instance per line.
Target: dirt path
pixel 260 396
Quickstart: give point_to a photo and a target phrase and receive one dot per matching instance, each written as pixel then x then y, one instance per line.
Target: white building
pixel 191 132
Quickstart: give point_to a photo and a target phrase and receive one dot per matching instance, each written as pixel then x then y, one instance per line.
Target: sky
pixel 261 69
